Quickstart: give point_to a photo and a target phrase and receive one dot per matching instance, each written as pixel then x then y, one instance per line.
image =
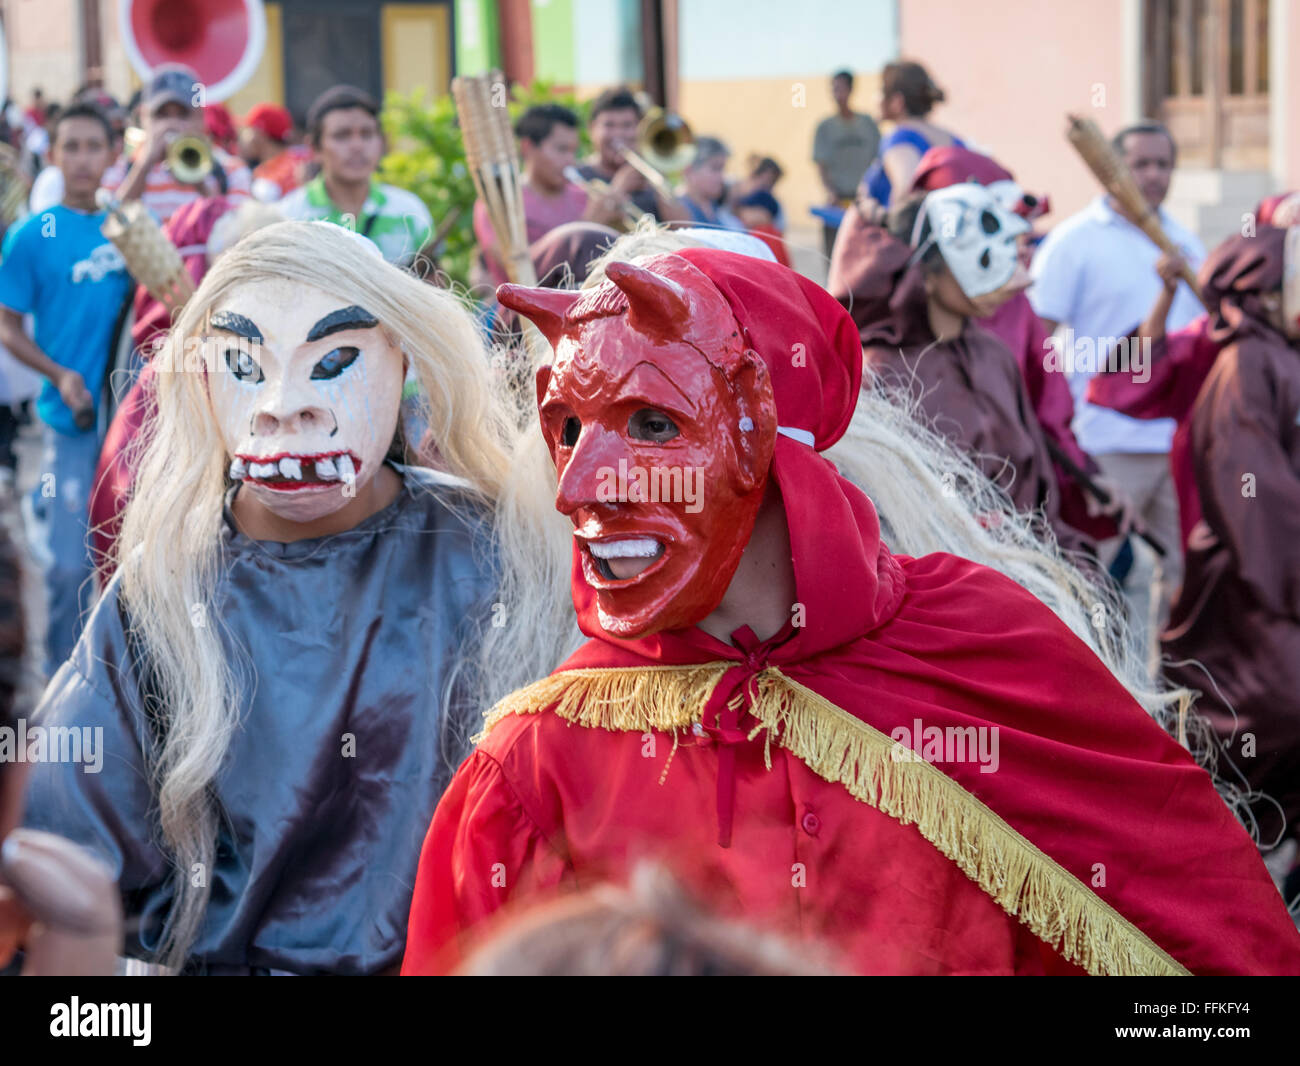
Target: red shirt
pixel 281 174
pixel 546 803
pixel 541 215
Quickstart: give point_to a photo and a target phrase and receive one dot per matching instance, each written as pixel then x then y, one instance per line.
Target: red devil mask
pixel 661 424
pixel 661 412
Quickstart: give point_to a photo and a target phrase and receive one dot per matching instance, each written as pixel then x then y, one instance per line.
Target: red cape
pixel 768 774
pixel 1097 832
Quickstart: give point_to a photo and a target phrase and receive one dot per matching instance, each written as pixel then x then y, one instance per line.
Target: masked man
pixel 277 669
pixel 915 291
pixel 1234 632
pixel 770 698
pixel 1181 360
pixel 1020 329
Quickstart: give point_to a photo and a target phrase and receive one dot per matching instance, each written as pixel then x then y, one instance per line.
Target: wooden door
pixel 1207 79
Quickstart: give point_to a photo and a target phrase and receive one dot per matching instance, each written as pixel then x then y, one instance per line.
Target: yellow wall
pixel 266 86
pixel 416 47
pixel 415 54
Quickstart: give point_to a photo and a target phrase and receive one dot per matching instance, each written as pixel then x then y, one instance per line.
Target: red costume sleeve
pixel 481 851
pixel 1180 362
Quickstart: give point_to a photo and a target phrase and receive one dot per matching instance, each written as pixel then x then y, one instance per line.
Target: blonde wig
pixel 169 550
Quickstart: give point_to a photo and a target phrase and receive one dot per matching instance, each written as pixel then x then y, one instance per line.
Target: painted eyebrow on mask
pixel 351 317
pixel 230 322
pixel 627 386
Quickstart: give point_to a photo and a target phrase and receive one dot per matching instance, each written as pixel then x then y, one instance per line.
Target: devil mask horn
pixel 657 306
pixel 545 308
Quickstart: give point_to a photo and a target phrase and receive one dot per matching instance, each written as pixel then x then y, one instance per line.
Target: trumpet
pixel 595 187
pixel 189 157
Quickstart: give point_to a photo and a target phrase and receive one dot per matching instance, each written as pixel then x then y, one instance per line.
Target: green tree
pixel 428 158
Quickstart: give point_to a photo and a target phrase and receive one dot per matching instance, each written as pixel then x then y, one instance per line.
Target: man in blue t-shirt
pixel 58 267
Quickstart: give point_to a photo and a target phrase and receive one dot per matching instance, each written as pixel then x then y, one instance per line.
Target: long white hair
pixel 169 549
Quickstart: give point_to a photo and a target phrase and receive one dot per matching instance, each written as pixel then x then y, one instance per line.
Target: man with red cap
pixel 278 166
pixel 913 759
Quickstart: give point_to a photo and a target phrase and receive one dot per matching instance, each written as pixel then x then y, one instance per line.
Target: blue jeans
pixel 58 535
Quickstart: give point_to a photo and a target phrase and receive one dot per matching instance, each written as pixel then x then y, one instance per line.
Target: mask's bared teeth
pixel 291 468
pixel 626 548
pixel 326 470
pixel 263 471
pixel 238 469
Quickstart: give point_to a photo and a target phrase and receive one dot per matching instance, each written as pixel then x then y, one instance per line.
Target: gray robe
pixel 354 644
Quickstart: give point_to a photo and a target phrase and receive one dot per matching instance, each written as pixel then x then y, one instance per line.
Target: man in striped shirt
pixel 169 109
pixel 344 134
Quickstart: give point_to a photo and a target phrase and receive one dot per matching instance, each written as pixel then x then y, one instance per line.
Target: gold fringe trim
pixel 1023 880
pixel 623 700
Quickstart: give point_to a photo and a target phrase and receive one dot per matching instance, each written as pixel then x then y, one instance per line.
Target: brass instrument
pixel 189 157
pixel 595 187
pixel 664 143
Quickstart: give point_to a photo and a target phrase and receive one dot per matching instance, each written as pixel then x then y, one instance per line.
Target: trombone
pixel 664 142
pixel 595 187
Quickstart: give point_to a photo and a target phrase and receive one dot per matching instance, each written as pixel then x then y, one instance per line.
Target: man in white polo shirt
pixel 1095 278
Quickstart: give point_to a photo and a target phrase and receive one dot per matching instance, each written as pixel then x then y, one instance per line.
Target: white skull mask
pixel 975 234
pixel 307 390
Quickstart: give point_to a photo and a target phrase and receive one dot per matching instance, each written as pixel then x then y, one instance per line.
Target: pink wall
pixel 1011 71
pixel 1291 85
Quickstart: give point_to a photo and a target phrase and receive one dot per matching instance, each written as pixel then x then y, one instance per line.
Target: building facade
pixel 756 72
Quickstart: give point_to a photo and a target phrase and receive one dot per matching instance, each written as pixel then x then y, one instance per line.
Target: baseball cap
pixel 271 119
pixel 171 83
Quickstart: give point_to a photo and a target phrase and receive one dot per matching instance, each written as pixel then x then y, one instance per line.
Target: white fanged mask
pixel 976 236
pixel 307 390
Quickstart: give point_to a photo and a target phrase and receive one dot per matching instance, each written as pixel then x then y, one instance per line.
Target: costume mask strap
pixel 803 436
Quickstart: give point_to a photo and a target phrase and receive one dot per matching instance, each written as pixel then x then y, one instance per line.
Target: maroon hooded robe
pixel 970 388
pixel 1238 614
